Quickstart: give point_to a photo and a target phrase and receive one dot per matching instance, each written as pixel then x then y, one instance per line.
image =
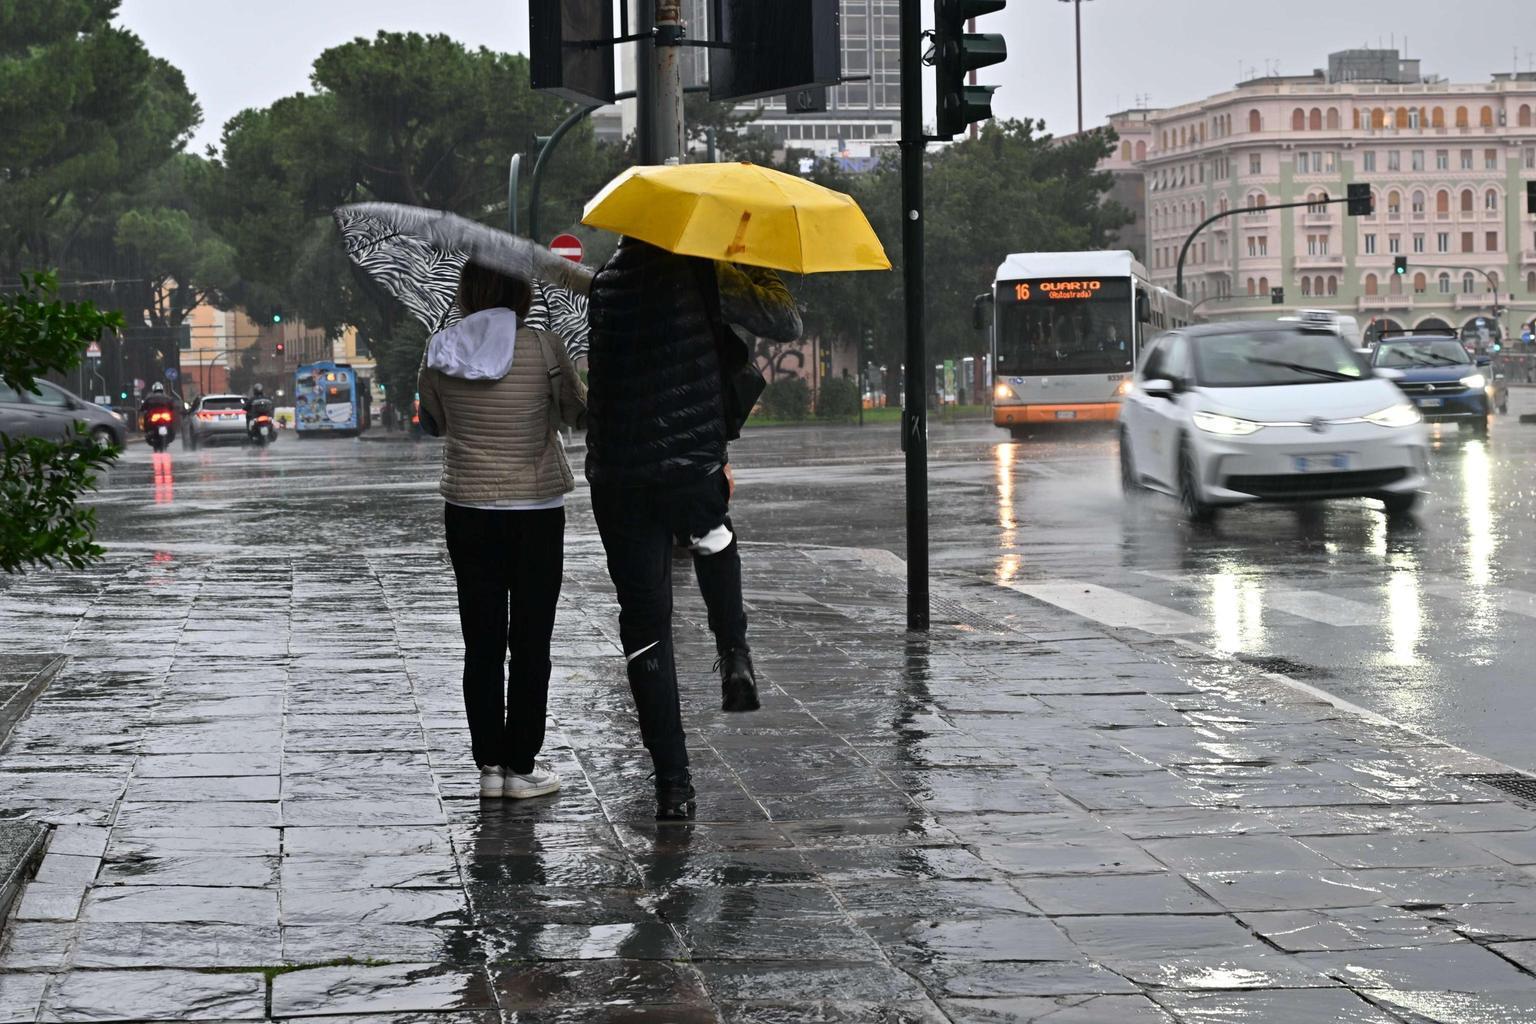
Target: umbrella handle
pixel 739 243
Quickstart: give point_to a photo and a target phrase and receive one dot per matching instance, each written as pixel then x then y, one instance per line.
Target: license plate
pixel 1320 463
pixel 1431 403
pixel 1066 414
pixel 162 431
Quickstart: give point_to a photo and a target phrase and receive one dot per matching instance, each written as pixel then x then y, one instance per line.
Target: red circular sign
pixel 568 246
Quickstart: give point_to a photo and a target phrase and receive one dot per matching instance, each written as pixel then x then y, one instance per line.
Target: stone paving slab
pixel 265 809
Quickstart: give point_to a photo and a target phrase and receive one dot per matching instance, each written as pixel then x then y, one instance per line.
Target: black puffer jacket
pixel 654 412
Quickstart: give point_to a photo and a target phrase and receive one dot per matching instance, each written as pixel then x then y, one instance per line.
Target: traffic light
pixel 759 49
pixel 571 49
pixel 956 53
pixel 279 349
pixel 1361 203
pixel 1400 265
pixel 277 315
pixel 1277 296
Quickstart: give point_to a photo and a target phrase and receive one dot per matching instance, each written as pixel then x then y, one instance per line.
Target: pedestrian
pixel 387 415
pixel 656 460
pixel 498 392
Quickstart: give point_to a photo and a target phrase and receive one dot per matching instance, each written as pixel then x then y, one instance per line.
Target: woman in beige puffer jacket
pixel 498 392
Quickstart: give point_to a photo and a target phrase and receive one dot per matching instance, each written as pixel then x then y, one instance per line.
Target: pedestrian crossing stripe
pixel 1110 607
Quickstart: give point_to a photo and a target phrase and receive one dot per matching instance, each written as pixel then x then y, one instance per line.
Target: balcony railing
pixel 1370 303
pixel 1323 260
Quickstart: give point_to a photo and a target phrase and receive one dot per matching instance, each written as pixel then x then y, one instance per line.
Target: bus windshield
pixel 1050 326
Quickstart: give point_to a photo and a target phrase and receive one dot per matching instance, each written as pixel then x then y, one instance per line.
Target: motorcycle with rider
pixel 260 425
pixel 157 412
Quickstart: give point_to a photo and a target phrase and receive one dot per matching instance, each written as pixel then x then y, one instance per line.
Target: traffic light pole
pixel 914 412
pixel 1178 280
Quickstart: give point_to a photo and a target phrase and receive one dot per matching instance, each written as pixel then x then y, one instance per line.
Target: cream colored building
pixel 1448 165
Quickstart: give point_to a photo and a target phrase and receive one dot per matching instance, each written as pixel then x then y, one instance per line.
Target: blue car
pixel 1445 383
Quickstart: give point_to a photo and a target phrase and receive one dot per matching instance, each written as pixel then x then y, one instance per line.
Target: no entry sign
pixel 568 246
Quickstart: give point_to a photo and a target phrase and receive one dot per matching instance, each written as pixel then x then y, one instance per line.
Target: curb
pixel 34 678
pixel 21 850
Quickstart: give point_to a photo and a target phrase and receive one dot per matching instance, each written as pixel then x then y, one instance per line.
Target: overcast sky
pixel 244 53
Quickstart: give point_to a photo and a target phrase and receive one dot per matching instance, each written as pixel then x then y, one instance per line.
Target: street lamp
pixel 1077 17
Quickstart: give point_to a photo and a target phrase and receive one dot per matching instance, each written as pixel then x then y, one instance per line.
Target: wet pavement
pixel 265 808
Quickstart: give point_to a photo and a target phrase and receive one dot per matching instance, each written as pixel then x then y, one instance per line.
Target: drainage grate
pixel 1284 667
pixel 1516 784
pixel 948 610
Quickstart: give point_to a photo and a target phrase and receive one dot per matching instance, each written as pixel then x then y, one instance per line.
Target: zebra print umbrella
pixel 416 254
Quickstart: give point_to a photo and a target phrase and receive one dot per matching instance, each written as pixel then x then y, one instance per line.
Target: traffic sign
pixel 93 351
pixel 138 383
pixel 171 373
pixel 568 246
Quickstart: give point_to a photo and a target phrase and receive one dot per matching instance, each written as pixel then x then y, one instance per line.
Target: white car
pixel 1222 414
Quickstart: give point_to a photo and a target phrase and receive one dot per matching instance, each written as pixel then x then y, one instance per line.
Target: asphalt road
pixel 1428 622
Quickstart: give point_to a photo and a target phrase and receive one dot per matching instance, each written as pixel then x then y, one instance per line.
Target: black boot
pixel 738 681
pixel 674 797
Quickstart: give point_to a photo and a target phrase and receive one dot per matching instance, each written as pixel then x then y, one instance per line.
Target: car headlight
pixel 1404 414
pixel 1002 392
pixel 115 415
pixel 1477 382
pixel 1227 426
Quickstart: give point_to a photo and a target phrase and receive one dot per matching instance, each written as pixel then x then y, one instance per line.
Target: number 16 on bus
pixel 1066 331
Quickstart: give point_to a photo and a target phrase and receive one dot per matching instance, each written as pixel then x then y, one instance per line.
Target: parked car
pixel 215 418
pixel 1223 414
pixel 1446 382
pixel 53 413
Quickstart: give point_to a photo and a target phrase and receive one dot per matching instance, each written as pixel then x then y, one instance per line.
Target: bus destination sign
pixel 1051 290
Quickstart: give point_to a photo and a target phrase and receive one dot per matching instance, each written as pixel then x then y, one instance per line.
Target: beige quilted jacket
pixel 501 436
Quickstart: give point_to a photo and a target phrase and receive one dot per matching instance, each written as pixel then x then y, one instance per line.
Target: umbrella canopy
pixel 739 212
pixel 408 252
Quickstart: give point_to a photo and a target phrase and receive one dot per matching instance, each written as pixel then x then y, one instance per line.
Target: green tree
pixel 41 480
pixel 402 118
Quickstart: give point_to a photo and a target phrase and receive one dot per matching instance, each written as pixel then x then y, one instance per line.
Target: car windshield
pixel 1247 359
pixel 1406 355
pixel 221 404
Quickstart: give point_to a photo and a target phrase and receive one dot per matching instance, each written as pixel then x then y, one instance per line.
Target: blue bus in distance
pixel 328 399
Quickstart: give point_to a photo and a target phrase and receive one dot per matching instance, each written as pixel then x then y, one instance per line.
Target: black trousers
pixel 508 566
pixel 638 525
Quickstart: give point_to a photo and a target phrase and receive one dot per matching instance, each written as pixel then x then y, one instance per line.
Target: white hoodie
pixel 478 347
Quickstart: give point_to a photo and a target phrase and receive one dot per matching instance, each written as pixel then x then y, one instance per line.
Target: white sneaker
pixel 540 782
pixel 492 780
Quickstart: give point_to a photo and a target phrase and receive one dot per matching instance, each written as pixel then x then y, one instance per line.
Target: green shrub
pixel 787 399
pixel 838 399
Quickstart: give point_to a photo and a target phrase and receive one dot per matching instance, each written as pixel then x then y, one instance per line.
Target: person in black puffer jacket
pixel 656 460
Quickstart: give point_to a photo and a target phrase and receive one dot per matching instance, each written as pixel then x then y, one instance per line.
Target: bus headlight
pixel 1002 393
pixel 1123 388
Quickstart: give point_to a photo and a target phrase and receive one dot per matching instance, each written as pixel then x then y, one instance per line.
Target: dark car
pixel 53 413
pixel 1444 381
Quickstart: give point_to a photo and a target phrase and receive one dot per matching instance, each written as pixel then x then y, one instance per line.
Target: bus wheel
pixel 1018 433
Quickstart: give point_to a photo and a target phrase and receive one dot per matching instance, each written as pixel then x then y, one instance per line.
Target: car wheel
pixel 1480 426
pixel 1130 482
pixel 102 437
pixel 1400 504
pixel 1196 508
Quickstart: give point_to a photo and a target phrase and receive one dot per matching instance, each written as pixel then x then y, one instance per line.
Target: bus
pixel 328 399
pixel 1066 330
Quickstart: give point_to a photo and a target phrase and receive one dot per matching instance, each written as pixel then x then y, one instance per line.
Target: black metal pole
pixel 1077 16
pixel 514 170
pixel 914 412
pixel 645 83
pixel 536 183
pixel 1178 279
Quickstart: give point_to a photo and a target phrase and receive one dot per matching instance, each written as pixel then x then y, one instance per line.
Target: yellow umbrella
pixel 739 212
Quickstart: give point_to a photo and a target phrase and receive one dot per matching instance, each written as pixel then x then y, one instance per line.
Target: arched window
pixel 1183 135
pixel 1255 121
pixel 1315 120
pixel 1333 119
pixel 1523 118
pixel 1306 285
pixel 1298 120
pixel 1202 209
pixel 1395 284
pixel 1418 203
pixel 1252 288
pixel 1402 117
pixel 1317 285
pixel 1443 203
pixel 1444 281
pixel 1468 283
pixel 1333 285
pixel 1262 199
pixel 1491 199
pixel 1437 117
pixel 1165 139
pixel 1462 121
pixel 1530 282
pixel 1378 118
pixel 1394 203
pixel 1370 284
pixel 1420 283
pixel 1141 149
pixel 1125 151
pixel 1467 199
pixel 1485 117
pixel 1263 286
pixel 1354 117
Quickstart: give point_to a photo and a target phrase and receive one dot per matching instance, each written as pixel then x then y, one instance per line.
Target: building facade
pixel 1447 164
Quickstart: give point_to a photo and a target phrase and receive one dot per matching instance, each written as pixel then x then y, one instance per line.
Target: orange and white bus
pixel 1066 330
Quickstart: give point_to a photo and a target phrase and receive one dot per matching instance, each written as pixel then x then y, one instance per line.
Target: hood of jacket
pixel 478 347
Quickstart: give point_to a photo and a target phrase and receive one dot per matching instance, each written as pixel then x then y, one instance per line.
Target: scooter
pixel 260 429
pixel 158 429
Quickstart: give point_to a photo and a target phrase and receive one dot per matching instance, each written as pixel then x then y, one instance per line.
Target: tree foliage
pixel 41 480
pixel 401 118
